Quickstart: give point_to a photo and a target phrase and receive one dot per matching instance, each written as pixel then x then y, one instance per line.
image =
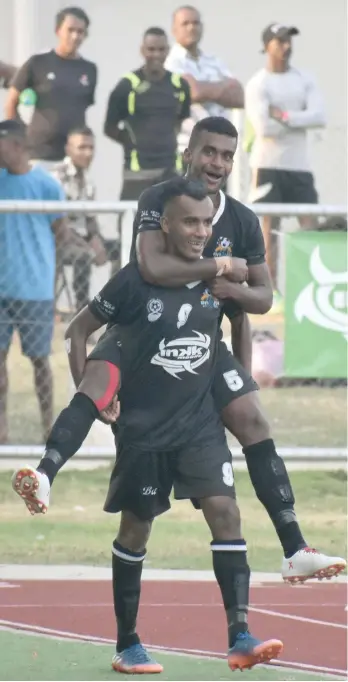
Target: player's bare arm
pixel 76 335
pixel 163 269
pixel 242 340
pixel 256 298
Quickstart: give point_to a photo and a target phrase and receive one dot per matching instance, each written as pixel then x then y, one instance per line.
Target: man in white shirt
pixel 282 103
pixel 214 89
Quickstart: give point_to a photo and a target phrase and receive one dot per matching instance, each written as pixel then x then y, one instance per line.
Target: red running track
pixel 311 619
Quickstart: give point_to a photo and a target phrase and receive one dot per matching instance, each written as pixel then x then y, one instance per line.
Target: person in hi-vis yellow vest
pixel 145 111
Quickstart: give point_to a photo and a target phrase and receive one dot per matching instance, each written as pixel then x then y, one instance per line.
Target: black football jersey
pixel 168 341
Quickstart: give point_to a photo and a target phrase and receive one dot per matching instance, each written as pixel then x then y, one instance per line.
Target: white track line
pixel 170 605
pixel 302 619
pixel 14 627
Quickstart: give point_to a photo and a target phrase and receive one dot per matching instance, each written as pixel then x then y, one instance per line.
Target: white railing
pixel 281 210
pixel 303 454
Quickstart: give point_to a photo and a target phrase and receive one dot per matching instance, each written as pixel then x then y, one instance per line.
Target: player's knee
pixel 223 517
pixel 244 418
pixel 133 532
pixel 100 382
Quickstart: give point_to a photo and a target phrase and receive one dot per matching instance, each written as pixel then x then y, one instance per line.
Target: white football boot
pixel 307 564
pixel 34 489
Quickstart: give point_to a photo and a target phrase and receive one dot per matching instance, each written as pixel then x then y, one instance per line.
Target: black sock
pixel 68 433
pixel 127 567
pixel 273 488
pixel 233 575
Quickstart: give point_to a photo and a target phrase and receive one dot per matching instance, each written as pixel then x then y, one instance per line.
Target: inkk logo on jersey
pixel 154 309
pixel 183 314
pixel 208 300
pixel 183 355
pixel 223 247
pixel 324 301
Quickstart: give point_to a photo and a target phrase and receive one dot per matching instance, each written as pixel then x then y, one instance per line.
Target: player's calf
pixel 128 554
pixel 96 392
pixel 232 573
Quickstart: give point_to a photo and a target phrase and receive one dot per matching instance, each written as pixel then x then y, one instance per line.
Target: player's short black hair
pixel 81 130
pixel 76 12
pixel 179 187
pixel 155 31
pixel 213 124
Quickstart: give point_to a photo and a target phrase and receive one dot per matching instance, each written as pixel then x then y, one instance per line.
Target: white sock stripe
pixel 228 548
pixel 127 557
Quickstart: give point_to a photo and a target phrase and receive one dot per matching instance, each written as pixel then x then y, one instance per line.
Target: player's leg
pixel 237 400
pixel 206 476
pixel 6 331
pixel 98 387
pixel 135 475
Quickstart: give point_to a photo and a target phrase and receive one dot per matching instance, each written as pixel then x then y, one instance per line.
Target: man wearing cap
pixel 282 103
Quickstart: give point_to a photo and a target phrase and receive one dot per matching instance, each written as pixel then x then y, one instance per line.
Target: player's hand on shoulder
pixel 112 412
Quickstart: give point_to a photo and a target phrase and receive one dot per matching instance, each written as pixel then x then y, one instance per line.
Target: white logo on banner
pixel 324 301
pixel 183 355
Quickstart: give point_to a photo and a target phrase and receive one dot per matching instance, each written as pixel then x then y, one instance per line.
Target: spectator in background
pixel 61 85
pixel 144 114
pixel 72 173
pixel 282 103
pixel 213 88
pixel 27 252
pixel 6 73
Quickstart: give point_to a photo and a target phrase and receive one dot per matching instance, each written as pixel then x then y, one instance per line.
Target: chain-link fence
pixel 41 289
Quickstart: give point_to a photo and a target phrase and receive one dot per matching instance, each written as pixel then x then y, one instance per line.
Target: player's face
pixel 80 148
pixel 211 160
pixel 187 28
pixel 154 51
pixel 71 33
pixel 188 225
pixel 280 49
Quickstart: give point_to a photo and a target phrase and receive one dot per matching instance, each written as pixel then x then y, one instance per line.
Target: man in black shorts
pixel 168 434
pixel 237 232
pixel 235 228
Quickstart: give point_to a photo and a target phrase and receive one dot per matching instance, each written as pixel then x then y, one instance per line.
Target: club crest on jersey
pixel 183 355
pixel 154 309
pixel 223 247
pixel 183 314
pixel 208 300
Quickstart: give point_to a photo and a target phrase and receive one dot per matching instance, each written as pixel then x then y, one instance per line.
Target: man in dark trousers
pixel 62 84
pixel 144 114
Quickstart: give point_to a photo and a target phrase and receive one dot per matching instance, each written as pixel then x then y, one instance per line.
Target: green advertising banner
pixel 316 315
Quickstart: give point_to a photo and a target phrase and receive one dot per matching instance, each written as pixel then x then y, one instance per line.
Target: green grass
pixel 76 530
pixel 299 416
pixel 37 658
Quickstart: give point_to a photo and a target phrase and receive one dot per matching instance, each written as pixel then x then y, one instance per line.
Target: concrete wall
pixel 234 34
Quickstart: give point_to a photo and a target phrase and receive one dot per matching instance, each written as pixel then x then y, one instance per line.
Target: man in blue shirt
pixel 27 269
